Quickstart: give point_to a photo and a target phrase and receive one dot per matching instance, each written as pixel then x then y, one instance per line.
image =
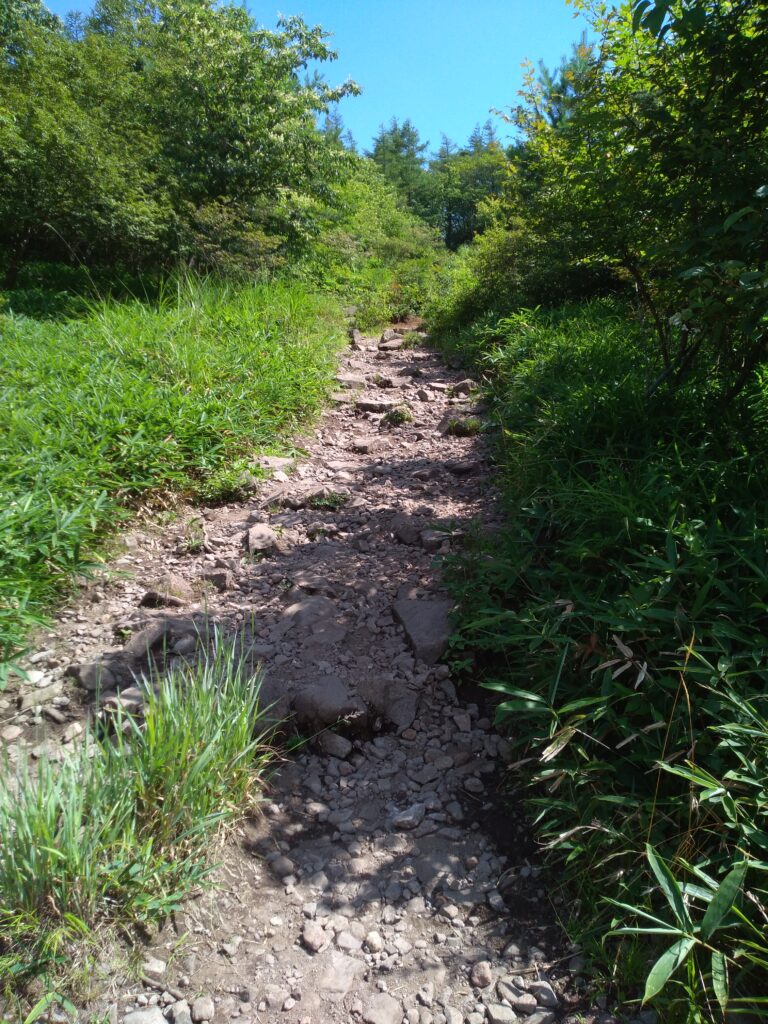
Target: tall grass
pixel 99 413
pixel 622 617
pixel 118 832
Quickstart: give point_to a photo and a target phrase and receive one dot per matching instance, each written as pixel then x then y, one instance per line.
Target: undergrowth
pixel 622 617
pixel 119 831
pixel 136 399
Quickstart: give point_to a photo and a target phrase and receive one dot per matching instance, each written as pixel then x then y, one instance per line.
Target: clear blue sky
pixel 443 63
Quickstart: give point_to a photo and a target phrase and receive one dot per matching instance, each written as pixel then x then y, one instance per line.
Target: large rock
pixel 406 528
pixel 91 676
pixel 376 404
pixel 394 701
pixel 383 1009
pixel 325 701
pixel 339 976
pixel 426 624
pixel 170 591
pixel 261 539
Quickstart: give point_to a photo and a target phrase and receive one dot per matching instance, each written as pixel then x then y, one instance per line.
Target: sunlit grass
pixel 99 413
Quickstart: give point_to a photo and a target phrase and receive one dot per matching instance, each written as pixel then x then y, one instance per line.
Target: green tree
pixel 146 132
pixel 399 154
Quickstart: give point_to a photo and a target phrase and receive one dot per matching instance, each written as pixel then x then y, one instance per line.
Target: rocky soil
pixel 385 882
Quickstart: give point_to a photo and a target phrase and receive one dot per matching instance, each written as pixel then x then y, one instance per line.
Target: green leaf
pixel 736 217
pixel 637 14
pixel 723 900
pixel 666 966
pixel 720 978
pixel 669 887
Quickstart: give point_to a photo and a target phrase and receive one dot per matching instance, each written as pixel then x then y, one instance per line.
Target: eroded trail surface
pixel 372 888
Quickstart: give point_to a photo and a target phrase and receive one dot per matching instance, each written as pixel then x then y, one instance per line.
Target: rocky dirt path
pixel 371 889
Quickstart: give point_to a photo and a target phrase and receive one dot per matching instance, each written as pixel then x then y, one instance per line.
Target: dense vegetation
pixel 607 275
pixel 617 306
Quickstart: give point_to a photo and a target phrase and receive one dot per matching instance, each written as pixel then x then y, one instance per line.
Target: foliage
pixel 621 616
pixel 399 154
pixel 371 249
pixel 120 830
pixel 149 397
pixel 140 135
pixel 659 171
pixel 464 180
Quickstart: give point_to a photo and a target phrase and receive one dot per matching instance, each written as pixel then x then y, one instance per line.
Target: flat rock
pixel 499 1014
pixel 376 404
pixel 169 590
pixel 148 1015
pixel 261 539
pixel 339 976
pixel 426 624
pixel 383 1009
pixel 40 696
pixel 274 462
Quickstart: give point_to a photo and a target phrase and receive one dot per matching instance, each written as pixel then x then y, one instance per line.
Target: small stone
pixel 410 818
pixel 203 1009
pixel 545 994
pixel 282 867
pixel 179 1012
pixel 481 975
pixel 313 936
pixel 374 942
pixel 153 967
pixel 11 733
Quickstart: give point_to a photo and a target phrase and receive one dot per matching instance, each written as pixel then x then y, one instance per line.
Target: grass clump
pixel 464 426
pixel 99 414
pixel 119 831
pixel 621 617
pixel 397 417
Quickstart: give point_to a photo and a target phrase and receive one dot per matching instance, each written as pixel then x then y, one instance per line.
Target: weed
pixel 397 417
pixel 331 501
pixel 118 831
pixel 621 618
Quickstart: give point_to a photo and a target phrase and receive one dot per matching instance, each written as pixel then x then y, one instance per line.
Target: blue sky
pixel 443 63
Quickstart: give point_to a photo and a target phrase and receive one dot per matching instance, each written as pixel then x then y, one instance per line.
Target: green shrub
pixel 621 615
pixel 118 832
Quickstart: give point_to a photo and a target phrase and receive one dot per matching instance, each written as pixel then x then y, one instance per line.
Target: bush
pixel 371 251
pixel 621 615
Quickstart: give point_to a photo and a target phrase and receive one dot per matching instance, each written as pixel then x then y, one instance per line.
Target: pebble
pixel 481 974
